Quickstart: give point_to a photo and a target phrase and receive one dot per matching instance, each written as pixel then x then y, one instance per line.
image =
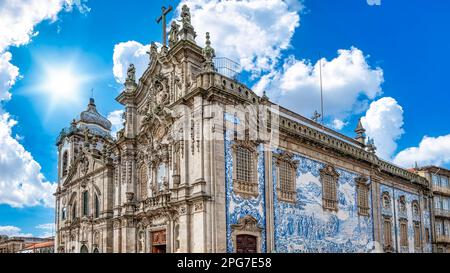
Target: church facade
pixel 203 164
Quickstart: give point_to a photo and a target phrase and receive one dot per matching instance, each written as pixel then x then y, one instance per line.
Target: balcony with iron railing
pixel 227 67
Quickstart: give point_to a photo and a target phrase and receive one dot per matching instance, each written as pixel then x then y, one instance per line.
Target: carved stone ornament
pixel 247 224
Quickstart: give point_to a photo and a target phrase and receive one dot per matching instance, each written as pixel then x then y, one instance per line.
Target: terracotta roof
pixel 40 245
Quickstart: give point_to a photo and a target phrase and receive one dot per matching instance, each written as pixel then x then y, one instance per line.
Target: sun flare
pixel 61 84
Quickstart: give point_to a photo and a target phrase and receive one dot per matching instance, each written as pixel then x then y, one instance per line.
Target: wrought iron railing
pixel 227 67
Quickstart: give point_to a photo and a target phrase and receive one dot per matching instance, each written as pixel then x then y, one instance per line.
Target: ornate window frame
pixel 329 200
pixel 246 189
pixel 363 189
pixel 386 200
pixel 286 194
pixel 247 225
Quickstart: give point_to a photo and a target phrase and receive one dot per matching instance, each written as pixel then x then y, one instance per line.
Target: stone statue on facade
pixel 185 16
pixel 131 73
pixel 187 32
pixel 173 33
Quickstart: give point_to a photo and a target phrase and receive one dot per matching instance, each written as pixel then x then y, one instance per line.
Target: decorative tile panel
pixel 306 227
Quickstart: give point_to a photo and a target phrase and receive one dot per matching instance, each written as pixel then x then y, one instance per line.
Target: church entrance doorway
pixel 159 241
pixel 246 243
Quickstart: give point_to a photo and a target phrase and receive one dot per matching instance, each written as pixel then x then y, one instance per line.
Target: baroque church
pixel 204 164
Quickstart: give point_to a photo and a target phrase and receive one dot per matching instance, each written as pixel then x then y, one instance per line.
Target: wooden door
pixel 246 243
pixel 159 241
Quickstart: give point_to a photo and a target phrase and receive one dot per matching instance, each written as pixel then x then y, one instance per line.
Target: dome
pixel 91 116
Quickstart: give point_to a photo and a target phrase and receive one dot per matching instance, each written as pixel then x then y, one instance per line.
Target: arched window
pixel 97 206
pixel 84 249
pixel 96 250
pixel 63 213
pixel 85 203
pixel 143 178
pixel 161 176
pixel 65 159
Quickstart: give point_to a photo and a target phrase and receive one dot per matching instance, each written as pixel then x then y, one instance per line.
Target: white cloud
pixel 11 231
pixel 374 2
pixel 383 122
pixel 338 124
pixel 8 75
pixel 47 229
pixel 431 151
pixel 250 32
pixel 20 17
pixel 115 117
pixel 348 83
pixel 127 53
pixel 21 181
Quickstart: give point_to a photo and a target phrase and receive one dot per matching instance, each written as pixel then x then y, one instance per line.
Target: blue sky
pixel 404 63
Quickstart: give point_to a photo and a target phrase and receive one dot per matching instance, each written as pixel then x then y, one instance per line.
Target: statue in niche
pixel 141 242
pixel 173 34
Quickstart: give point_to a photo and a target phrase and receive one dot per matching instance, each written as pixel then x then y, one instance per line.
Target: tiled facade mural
pixel 238 207
pixel 306 227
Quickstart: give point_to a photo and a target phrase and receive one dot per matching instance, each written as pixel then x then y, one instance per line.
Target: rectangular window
pixel 329 192
pixel 435 179
pixel 244 174
pixel 444 181
pixel 403 233
pixel 287 181
pixel 243 165
pixel 363 199
pixel 417 243
pixel 387 231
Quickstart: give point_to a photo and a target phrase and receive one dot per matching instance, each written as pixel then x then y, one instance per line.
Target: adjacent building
pixel 17 244
pixel 204 164
pixel 439 179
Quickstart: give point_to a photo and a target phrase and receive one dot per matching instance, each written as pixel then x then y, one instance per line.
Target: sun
pixel 61 84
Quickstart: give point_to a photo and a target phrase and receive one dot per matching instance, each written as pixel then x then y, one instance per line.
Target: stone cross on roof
pixel 163 18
